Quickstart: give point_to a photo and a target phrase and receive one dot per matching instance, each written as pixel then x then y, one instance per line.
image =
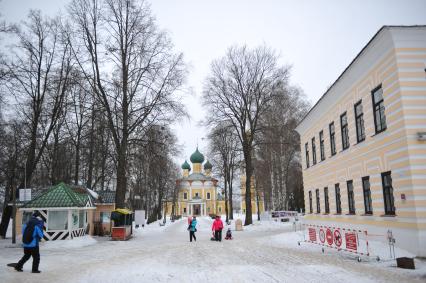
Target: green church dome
pixel 208 166
pixel 197 157
pixel 186 165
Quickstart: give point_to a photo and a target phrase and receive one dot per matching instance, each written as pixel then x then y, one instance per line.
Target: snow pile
pixel 77 242
pixel 268 226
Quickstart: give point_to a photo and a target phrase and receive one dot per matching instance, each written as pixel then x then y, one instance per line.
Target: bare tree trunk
pixel 249 172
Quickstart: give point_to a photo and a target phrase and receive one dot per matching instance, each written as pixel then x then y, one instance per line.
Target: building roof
pixel 208 165
pixel 186 166
pixel 61 195
pixel 106 197
pixel 381 30
pixel 197 157
pixel 198 177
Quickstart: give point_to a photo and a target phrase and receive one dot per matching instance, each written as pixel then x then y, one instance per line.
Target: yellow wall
pixel 392 150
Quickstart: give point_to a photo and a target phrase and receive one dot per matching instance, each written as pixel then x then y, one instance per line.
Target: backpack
pixel 27 237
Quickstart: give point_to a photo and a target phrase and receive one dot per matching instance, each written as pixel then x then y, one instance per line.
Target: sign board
pixel 351 240
pixel 24 195
pixel 140 217
pixel 312 235
pixel 238 225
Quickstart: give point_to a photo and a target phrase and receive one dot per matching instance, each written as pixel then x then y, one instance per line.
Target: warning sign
pixel 312 235
pixel 329 236
pixel 340 238
pixel 351 242
pixel 322 235
pixel 337 238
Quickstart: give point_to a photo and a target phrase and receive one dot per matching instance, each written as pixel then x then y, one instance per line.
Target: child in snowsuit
pixel 31 249
pixel 228 234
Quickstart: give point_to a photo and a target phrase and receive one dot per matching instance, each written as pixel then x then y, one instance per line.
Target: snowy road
pixel 166 255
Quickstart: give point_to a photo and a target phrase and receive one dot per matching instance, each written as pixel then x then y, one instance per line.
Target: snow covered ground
pixel 263 252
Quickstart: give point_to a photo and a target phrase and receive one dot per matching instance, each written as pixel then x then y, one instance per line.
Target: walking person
pixel 32 232
pixel 192 229
pixel 217 228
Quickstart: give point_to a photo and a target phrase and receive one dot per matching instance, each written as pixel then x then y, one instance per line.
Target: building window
pixel 314 152
pixel 310 201
pixel 388 193
pixel 105 217
pixel 317 196
pixel 338 200
pixel 81 218
pixel 220 209
pixel 326 202
pixel 332 139
pixel 208 195
pixel 379 110
pixel 322 152
pixel 367 195
pixel 184 210
pixel 345 130
pixel 359 121
pixel 196 195
pixel 185 195
pixel 351 197
pixel 307 155
pixel 57 220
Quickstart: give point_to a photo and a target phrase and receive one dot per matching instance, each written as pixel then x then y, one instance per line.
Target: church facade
pixel 197 190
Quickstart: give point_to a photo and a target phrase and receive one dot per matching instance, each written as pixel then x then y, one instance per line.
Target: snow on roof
pixel 93 194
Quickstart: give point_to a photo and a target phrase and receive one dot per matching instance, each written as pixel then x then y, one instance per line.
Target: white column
pixel 205 210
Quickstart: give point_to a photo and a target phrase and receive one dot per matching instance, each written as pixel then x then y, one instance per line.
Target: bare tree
pixel 37 76
pixel 225 152
pixel 131 69
pixel 238 90
pixel 278 150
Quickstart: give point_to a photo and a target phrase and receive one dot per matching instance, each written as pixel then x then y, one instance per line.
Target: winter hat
pixel 36 214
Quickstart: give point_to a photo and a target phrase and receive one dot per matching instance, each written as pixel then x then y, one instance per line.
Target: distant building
pixel 198 191
pixel 256 197
pixel 364 142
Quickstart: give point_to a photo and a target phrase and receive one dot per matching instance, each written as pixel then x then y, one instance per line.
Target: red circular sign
pixel 322 235
pixel 337 238
pixel 329 236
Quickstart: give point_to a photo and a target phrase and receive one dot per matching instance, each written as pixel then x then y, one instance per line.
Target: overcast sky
pixel 317 38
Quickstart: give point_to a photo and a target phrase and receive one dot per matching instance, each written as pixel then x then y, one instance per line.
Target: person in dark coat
pixel 31 249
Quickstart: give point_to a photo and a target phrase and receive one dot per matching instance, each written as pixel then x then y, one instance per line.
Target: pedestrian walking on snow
pixel 32 233
pixel 217 228
pixel 192 228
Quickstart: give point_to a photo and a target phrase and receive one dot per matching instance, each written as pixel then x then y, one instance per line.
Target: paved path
pixel 166 255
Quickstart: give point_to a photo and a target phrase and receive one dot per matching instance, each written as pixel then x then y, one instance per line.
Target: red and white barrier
pixel 342 239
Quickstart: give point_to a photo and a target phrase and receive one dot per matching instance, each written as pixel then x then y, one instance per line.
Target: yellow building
pixel 255 198
pixel 198 191
pixel 363 143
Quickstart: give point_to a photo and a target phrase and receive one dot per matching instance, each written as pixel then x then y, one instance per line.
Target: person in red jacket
pixel 217 228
